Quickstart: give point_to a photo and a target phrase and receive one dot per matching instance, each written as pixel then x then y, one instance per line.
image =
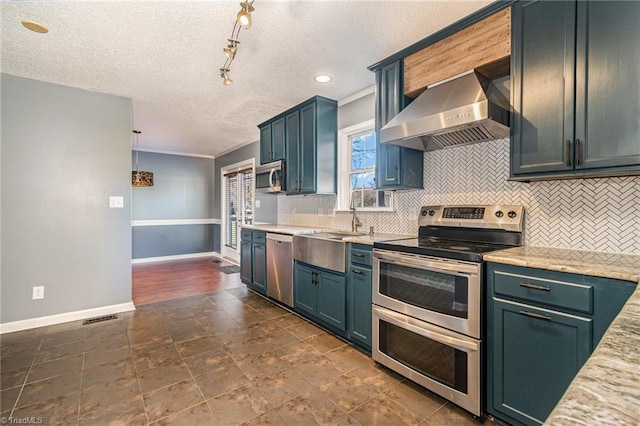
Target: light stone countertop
pixel 370 239
pixel 618 266
pixel 606 390
pixel 283 229
pixel 300 230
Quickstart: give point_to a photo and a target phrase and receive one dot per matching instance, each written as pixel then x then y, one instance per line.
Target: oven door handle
pixel 425 264
pixel 408 323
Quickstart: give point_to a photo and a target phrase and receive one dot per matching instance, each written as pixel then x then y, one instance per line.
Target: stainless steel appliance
pixel 280 268
pixel 428 310
pixel 270 177
pixel 460 110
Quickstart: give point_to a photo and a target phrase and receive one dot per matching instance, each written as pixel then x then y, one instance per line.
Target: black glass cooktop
pixel 438 247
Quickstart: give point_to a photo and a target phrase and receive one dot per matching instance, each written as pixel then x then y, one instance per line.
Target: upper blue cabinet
pixel 272 141
pixel 305 137
pixel 397 167
pixel 576 89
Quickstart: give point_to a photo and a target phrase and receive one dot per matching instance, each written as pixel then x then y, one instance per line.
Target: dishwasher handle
pixel 280 238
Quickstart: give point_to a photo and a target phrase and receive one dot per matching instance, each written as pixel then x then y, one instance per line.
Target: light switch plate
pixel 116 202
pixel 257 204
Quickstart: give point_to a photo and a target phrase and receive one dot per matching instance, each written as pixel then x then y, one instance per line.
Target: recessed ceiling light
pixel 323 78
pixel 35 26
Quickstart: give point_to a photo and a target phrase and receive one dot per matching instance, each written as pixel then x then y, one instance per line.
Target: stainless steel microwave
pixel 270 177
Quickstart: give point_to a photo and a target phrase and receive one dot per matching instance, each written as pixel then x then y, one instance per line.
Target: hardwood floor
pixel 157 282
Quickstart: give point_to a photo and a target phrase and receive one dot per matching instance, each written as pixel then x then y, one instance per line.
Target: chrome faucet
pixel 355 222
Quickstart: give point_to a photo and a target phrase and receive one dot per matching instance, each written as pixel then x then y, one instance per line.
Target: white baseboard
pixel 176 257
pixel 27 324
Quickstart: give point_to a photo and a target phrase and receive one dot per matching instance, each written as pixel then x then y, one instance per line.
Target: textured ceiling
pixel 165 56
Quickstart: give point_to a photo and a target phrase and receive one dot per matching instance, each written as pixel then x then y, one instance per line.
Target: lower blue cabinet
pixel 253 260
pixel 321 295
pixel 360 306
pixel 540 353
pixel 542 326
pixel 359 295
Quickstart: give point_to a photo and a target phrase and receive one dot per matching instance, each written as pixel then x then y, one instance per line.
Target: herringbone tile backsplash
pixel 584 214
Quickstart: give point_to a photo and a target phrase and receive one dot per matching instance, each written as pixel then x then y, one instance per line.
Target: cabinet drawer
pixel 360 257
pixel 561 294
pixel 245 235
pixel 259 237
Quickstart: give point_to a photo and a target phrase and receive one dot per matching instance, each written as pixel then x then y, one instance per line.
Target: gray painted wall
pixel 183 189
pixel 268 210
pixel 357 112
pixel 64 152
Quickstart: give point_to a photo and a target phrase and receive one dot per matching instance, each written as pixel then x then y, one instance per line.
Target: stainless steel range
pixel 428 297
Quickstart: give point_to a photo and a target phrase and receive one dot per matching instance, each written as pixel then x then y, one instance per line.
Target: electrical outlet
pixel 38 292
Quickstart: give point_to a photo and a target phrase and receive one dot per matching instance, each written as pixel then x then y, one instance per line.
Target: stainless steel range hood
pixel 459 111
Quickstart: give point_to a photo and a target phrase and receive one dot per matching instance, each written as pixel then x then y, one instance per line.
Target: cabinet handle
pixel 568 152
pixel 537 316
pixel 535 287
pixel 357 255
pixel 357 272
pixel 578 152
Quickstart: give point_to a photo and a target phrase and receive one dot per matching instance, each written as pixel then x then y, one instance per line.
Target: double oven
pixel 428 298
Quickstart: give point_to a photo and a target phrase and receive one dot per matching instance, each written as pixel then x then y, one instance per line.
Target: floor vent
pixel 217 261
pixel 99 319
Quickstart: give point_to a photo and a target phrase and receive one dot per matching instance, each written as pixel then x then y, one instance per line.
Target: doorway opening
pixel 237 205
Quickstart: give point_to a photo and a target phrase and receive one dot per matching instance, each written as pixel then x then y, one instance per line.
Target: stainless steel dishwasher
pixel 280 268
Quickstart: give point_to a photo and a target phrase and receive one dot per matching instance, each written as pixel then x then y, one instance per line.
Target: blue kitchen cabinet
pixel 246 263
pixel 332 299
pixel 541 352
pixel 272 140
pixel 542 326
pixel 321 295
pixel 253 260
pixel 292 137
pixel 359 295
pixel 305 291
pixel 576 89
pixel 306 138
pixel 396 167
pixel 311 160
pixel 259 282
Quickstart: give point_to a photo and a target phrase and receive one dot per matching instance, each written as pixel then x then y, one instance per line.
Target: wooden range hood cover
pixel 484 46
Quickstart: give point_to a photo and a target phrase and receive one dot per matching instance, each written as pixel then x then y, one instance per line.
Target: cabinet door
pixel 277 139
pixel 259 268
pixel 608 84
pixel 360 305
pixel 332 300
pixel 543 86
pixel 308 149
pixel 246 262
pixel 292 165
pixel 265 143
pixel 389 102
pixel 305 286
pixel 535 354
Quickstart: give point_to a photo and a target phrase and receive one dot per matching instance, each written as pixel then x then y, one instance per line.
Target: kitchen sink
pixel 325 249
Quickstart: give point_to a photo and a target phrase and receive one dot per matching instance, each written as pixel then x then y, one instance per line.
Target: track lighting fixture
pixel 243 20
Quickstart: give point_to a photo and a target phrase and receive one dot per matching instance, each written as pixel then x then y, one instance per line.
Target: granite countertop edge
pixel 301 230
pixel 606 390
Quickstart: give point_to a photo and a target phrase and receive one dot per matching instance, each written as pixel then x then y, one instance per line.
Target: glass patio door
pixel 237 207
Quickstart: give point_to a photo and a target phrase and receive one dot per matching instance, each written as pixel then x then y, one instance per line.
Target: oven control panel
pixel 506 217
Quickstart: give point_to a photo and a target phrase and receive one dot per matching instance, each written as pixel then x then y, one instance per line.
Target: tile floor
pixel 223 358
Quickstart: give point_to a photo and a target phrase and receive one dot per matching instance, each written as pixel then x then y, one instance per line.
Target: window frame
pixel 344 168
